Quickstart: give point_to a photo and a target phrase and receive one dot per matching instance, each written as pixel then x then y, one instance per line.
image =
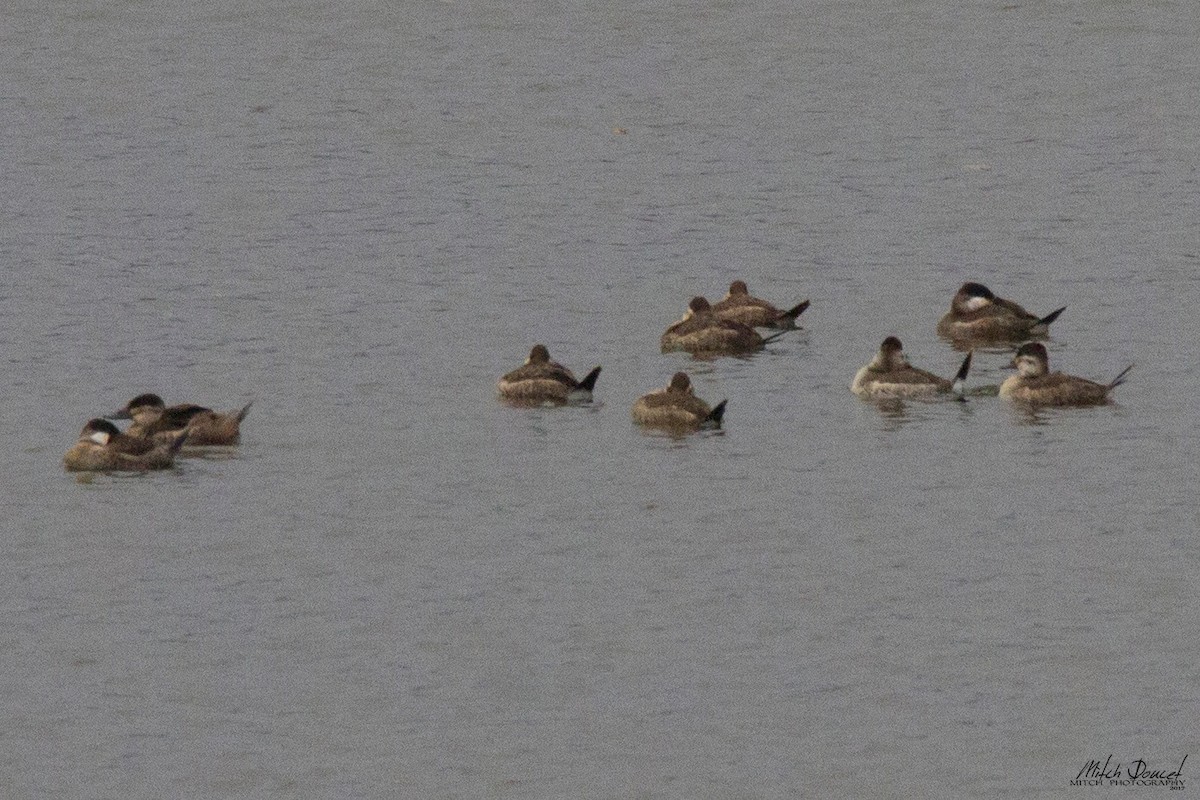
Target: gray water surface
pixel 360 215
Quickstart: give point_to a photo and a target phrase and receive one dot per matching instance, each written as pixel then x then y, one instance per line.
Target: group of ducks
pixel 978 317
pixel 706 330
pixel 155 436
pixel 731 327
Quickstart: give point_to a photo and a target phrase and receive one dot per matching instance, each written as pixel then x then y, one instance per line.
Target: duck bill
pixel 120 413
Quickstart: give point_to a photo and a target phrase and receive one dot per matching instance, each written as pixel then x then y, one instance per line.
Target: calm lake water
pixel 360 215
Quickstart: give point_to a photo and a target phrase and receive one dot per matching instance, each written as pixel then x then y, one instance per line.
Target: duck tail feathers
pixel 960 378
pixel 589 381
pixel 714 416
pixel 961 375
pixel 788 317
pixel 1117 381
pixel 1053 315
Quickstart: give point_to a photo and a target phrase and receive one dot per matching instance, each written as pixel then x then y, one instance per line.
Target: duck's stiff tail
pixel 788 318
pixel 1053 315
pixel 768 339
pixel 714 417
pixel 960 378
pixel 589 381
pixel 241 415
pixel 1117 381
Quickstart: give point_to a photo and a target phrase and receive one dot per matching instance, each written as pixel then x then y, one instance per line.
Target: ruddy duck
pixel 677 408
pixel 702 332
pixel 541 380
pixel 152 419
pixel 739 306
pixel 1036 385
pixel 101 448
pixel 977 314
pixel 890 375
pixel 124 443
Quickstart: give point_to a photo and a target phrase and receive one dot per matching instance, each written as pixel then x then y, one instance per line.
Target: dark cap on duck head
pixel 99 425
pixel 148 400
pixel 1034 349
pixel 976 290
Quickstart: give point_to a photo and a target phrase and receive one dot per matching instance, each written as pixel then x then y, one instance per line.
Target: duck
pixel 124 443
pixel 153 419
pixel 103 448
pixel 978 314
pixel 702 332
pixel 890 375
pixel 739 305
pixel 677 408
pixel 1034 383
pixel 541 380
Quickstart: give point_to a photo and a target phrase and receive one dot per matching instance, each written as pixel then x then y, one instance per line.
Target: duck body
pixel 676 408
pixel 541 380
pixel 1035 385
pixel 102 448
pixel 153 419
pixel 976 314
pixel 702 332
pixel 740 306
pixel 890 375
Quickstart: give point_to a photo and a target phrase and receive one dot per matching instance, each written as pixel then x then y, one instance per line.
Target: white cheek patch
pixel 976 303
pixel 99 437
